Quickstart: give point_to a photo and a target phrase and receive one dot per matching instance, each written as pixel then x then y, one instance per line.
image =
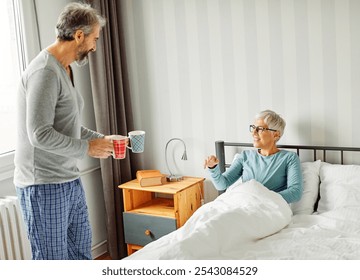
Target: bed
pixel 250 222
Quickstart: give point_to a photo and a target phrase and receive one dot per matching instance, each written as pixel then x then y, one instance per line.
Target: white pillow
pixel 339 187
pixel 311 180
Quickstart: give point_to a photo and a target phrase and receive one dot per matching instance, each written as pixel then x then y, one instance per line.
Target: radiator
pixel 14 244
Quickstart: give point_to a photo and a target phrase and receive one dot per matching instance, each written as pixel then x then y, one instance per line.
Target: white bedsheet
pixel 245 213
pixel 328 236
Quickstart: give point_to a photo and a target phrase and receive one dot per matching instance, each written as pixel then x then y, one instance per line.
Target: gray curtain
pixel 113 115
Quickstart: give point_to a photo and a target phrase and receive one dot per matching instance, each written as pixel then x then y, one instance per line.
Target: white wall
pixel 201 70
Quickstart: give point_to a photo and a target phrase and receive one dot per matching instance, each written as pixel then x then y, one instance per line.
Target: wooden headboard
pixel 221 145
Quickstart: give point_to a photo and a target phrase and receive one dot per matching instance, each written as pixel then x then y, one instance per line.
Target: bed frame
pixel 221 145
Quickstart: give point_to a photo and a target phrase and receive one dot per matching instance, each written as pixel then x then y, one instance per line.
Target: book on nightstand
pixel 148 178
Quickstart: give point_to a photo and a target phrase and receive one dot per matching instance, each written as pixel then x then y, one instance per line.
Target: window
pixel 11 61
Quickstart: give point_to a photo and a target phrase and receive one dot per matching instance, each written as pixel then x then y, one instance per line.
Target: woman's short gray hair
pixel 77 16
pixel 273 120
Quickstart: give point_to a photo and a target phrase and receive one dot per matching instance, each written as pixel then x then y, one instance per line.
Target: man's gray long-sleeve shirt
pixel 50 137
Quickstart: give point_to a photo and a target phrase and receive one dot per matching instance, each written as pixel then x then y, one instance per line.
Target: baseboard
pixel 99 249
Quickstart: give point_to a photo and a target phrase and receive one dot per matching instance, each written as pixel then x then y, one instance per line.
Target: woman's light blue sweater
pixel 280 172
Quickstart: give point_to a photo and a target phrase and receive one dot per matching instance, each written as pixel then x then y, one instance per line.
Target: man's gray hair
pixel 273 120
pixel 77 16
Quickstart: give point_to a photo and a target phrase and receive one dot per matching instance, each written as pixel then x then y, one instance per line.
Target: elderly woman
pixel 276 169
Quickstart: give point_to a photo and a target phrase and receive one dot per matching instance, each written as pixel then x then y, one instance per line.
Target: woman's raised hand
pixel 211 162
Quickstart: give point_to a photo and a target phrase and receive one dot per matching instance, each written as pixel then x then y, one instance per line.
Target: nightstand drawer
pixel 142 229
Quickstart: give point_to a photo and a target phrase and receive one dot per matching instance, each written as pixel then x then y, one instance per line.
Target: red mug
pixel 119 143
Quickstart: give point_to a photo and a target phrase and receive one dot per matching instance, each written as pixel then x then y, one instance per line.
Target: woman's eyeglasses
pixel 259 129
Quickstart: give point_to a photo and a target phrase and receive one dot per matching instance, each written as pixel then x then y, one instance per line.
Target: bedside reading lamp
pixel 172 177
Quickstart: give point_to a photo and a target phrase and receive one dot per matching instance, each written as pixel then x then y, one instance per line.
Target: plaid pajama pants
pixel 56 218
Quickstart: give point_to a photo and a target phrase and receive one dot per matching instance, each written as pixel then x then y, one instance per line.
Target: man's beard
pixel 82 59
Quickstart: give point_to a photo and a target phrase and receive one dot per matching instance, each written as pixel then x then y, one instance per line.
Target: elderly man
pixel 51 139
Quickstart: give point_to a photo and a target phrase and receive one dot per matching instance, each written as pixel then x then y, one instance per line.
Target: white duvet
pixel 251 222
pixel 221 228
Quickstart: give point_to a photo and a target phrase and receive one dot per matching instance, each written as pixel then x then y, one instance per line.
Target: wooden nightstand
pixel 151 212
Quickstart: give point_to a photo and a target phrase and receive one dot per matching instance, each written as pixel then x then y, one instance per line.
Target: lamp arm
pixel 166 147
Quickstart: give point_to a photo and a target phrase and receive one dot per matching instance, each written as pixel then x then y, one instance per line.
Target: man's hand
pixel 211 161
pixel 100 148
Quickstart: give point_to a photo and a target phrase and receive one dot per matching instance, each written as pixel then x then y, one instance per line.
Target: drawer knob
pixel 147 232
